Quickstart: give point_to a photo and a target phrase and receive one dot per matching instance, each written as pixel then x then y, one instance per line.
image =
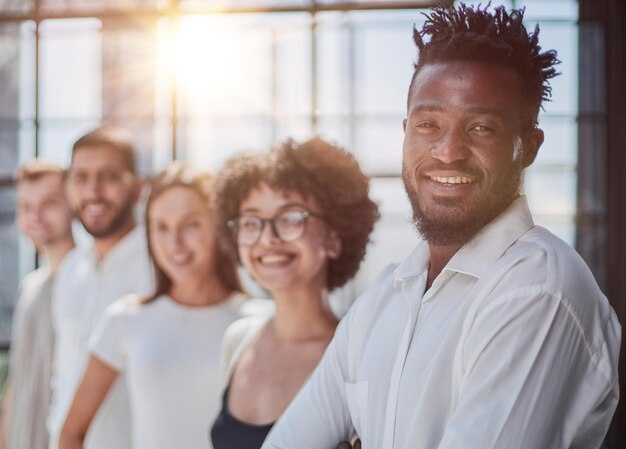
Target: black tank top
pixel 230 433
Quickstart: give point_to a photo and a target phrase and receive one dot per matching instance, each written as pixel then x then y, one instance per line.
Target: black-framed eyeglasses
pixel 287 225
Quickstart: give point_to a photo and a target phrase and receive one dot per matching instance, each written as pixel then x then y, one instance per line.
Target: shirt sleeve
pixel 530 379
pixel 318 417
pixel 107 342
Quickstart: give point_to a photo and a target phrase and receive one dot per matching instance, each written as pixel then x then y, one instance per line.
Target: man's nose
pixel 92 187
pixel 452 147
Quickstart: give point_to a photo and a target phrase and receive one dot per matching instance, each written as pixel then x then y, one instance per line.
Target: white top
pixel 513 347
pixel 83 289
pixel 170 354
pixel 31 362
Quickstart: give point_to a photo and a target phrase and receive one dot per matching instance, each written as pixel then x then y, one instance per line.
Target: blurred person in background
pixel 299 219
pixel 44 217
pixel 168 344
pixel 102 188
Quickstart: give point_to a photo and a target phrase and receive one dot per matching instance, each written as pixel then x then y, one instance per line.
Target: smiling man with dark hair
pixel 102 188
pixel 492 333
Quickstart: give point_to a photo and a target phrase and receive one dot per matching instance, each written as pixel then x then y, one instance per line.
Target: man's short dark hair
pixel 315 169
pixel 471 34
pixel 116 138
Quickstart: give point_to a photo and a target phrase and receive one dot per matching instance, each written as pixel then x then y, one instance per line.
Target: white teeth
pixel 94 209
pixel 180 258
pixel 452 179
pixel 274 258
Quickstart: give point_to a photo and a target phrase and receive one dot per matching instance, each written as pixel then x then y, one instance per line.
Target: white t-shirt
pixel 170 354
pixel 83 289
pixel 513 346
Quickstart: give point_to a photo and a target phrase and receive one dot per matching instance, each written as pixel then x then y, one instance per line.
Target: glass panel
pixel 209 142
pixel 9 70
pixel 393 237
pixel 336 130
pixel 334 65
pixel 560 146
pixel 228 105
pixel 383 76
pixel 71 69
pixel 564 39
pixel 12 50
pixel 56 138
pixel 162 149
pixel 292 40
pixel 550 192
pixel 9 266
pixel 378 145
pixel 549 9
pixel 210 80
pixel 298 129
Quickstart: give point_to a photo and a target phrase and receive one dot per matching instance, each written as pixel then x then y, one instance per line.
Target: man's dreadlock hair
pixel 469 33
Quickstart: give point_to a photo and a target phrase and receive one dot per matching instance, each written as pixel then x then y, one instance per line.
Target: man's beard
pixel 119 220
pixel 451 227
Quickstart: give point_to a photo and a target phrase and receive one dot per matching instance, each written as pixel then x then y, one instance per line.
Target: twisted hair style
pixel 315 169
pixel 475 34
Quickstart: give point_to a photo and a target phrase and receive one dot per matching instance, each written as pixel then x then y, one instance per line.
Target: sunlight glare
pixel 210 62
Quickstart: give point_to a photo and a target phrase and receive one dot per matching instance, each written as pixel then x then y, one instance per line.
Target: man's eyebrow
pixel 427 107
pixel 491 111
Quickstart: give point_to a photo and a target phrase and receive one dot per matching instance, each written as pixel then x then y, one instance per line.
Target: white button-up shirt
pixel 513 346
pixel 83 289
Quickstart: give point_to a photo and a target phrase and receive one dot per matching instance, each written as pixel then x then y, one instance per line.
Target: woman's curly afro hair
pixel 315 169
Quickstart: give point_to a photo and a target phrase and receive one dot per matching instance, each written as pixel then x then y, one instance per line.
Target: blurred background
pixel 202 80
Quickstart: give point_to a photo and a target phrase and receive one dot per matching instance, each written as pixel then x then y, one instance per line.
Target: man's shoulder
pixel 36 278
pixel 541 258
pixel 543 269
pixel 35 288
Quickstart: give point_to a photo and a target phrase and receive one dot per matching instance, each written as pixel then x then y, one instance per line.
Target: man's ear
pixel 404 125
pixel 532 140
pixel 333 245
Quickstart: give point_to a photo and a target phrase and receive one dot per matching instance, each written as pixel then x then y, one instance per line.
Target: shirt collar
pixel 123 251
pixel 476 256
pixel 415 264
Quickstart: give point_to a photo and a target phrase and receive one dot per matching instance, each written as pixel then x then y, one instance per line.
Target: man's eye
pixel 481 128
pixel 78 177
pixel 109 176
